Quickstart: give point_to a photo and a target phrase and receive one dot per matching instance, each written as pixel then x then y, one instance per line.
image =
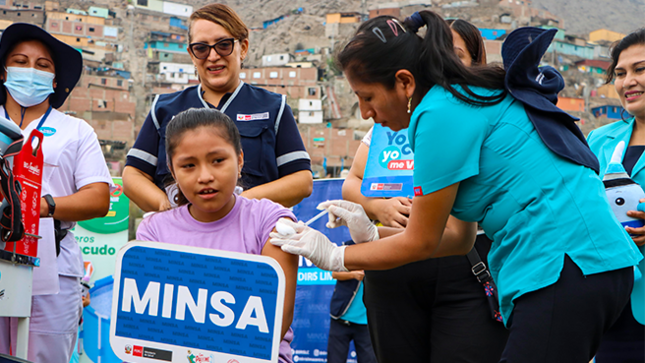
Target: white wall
pixel 309 105
pixel 275 60
pixel 177 9
pixel 177 72
pixel 310 111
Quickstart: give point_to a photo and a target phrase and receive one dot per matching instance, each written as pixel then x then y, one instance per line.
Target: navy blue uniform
pixel 271 142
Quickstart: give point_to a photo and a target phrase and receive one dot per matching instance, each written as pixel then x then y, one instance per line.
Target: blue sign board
pixel 315 286
pixel 185 304
pixel 390 165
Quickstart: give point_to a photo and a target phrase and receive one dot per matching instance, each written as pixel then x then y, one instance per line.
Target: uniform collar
pixel 618 131
pixel 226 99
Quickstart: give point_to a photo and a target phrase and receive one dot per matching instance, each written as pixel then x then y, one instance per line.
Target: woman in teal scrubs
pixel 625 341
pixel 562 262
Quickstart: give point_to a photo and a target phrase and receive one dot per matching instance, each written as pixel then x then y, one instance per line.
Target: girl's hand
pixel 309 243
pixel 393 212
pixel 352 215
pixel 637 234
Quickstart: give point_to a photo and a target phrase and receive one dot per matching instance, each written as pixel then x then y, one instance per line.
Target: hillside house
pixel 571 104
pixel 276 60
pixel 605 34
pixel 609 111
pixel 594 66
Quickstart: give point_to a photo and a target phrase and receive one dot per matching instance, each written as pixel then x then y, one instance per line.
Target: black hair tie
pixel 417 21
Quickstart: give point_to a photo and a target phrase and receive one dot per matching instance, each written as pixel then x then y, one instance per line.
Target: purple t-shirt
pixel 244 229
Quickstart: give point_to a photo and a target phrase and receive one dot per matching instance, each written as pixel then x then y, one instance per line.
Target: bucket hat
pixel 537 88
pixel 67 60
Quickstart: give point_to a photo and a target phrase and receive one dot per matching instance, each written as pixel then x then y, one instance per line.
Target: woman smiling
pixel 276 164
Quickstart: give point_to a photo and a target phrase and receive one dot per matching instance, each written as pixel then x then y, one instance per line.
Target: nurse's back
pixel 535 205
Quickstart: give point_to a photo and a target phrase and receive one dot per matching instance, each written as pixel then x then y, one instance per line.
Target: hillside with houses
pixel 133 50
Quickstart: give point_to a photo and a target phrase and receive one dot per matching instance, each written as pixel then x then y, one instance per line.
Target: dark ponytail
pixel 377 52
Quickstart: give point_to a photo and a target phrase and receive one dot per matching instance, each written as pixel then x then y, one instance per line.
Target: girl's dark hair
pixel 634 38
pixel 381 47
pixel 192 119
pixel 472 37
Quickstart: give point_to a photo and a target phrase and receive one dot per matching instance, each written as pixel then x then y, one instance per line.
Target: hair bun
pixel 416 21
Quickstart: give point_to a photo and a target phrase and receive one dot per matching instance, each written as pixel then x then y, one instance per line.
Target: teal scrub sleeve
pixel 448 142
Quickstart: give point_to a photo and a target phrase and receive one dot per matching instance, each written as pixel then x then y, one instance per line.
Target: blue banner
pixel 172 302
pixel 316 286
pixel 390 165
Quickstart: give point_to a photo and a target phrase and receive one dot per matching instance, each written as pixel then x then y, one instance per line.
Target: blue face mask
pixel 29 86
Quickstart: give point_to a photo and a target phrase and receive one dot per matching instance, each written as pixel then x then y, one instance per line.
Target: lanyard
pixel 42 119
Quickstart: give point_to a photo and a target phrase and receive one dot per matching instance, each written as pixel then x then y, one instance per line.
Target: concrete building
pixel 604 34
pixel 607 91
pixel 31 16
pixel 343 18
pixel 106 104
pixel 594 66
pixel 571 104
pixel 81 29
pixel 492 34
pixel 86 19
pixel 334 147
pixel 166 7
pixel 394 11
pixel 609 111
pixel 295 83
pixel 276 60
pixel 180 73
pixel 310 111
pixel 98 12
pixel 567 48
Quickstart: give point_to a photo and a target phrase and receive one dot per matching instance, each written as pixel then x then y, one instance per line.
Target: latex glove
pixel 309 243
pixel 352 215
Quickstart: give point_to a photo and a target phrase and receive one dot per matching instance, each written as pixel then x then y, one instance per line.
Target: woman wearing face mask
pixel 455 316
pixel 276 164
pixel 38 73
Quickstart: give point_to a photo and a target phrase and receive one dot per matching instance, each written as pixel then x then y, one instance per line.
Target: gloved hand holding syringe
pixel 300 239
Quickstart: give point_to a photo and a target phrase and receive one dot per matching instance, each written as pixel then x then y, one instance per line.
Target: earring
pixel 409 103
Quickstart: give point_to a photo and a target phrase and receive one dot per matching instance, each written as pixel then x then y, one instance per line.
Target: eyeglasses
pixel 202 50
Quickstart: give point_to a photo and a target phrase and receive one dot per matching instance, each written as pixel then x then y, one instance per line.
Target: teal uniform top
pixel 533 204
pixel 602 142
pixel 356 313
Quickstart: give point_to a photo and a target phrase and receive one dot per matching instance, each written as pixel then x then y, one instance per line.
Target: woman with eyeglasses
pixel 276 164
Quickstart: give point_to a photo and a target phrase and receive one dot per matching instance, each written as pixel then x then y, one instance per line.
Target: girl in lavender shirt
pixel 205 158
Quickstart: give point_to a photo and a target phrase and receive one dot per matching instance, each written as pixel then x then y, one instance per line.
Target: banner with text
pixel 101 238
pixel 316 286
pixel 178 303
pixel 390 165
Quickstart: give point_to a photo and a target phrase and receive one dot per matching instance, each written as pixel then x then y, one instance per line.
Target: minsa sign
pixel 176 303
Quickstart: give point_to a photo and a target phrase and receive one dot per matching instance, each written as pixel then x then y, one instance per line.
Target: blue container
pixel 96 323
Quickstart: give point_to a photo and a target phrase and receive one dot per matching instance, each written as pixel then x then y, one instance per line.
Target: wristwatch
pixel 51 204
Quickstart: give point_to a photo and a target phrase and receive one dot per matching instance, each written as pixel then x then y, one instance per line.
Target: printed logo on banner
pixel 253 117
pixel 138 351
pixel 199 358
pixel 179 299
pixel 390 165
pixel 128 349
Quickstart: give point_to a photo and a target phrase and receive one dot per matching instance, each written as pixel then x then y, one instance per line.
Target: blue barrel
pixel 96 323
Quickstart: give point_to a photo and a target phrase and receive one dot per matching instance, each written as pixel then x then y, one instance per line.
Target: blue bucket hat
pixel 537 88
pixel 67 60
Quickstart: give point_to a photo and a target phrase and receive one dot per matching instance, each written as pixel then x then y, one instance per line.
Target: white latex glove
pixel 352 215
pixel 298 239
